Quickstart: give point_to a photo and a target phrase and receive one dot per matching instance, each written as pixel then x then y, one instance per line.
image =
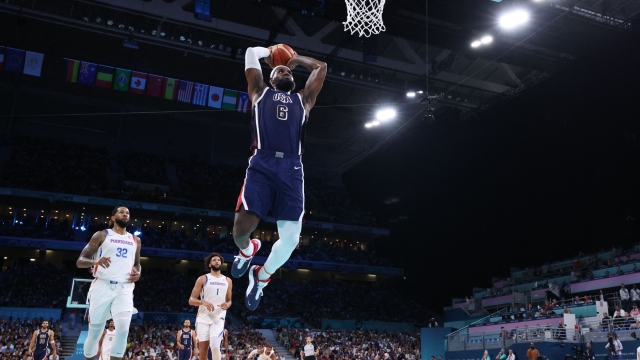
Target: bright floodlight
pixel 375 123
pixel 513 19
pixel 475 44
pixel 486 40
pixel 411 94
pixel 385 114
pixel 368 125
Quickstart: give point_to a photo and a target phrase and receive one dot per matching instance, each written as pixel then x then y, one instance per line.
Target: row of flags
pixel 21 61
pixel 109 77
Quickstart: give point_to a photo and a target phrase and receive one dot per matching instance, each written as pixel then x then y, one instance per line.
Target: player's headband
pixel 275 69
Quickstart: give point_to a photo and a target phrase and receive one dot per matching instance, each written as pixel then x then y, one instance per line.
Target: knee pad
pixel 93 337
pixel 121 320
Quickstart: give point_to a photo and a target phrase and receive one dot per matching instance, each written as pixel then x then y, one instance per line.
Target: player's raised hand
pixel 269 59
pixel 134 275
pixel 208 305
pixel 105 262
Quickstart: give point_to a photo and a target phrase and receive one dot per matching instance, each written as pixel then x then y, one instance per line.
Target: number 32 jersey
pixel 122 251
pixel 279 122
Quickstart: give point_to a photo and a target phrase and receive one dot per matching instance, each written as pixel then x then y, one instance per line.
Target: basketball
pixel 281 54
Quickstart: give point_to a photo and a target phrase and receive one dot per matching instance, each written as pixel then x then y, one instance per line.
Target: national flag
pixel 122 80
pixel 14 60
pixel 87 73
pixel 243 104
pixel 154 85
pixel 138 82
pixel 170 88
pixel 229 99
pixel 215 97
pixel 71 70
pixel 1 57
pixel 105 76
pixel 184 91
pixel 33 63
pixel 200 94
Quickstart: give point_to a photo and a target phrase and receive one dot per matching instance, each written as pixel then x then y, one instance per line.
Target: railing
pixel 465 330
pixel 504 339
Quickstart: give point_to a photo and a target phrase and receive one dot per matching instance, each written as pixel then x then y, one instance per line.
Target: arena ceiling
pixel 559 31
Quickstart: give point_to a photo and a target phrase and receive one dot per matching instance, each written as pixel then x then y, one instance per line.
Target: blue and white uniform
pixel 42 345
pixel 107 342
pixel 210 324
pixel 274 179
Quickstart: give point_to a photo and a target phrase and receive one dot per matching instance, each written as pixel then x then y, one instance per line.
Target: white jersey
pixel 107 341
pixel 122 251
pixel 266 355
pixel 214 291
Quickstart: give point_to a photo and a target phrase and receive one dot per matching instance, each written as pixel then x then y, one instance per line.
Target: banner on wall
pixel 31 313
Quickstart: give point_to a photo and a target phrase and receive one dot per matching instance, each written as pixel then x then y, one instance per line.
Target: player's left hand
pixel 224 306
pixel 134 275
pixel 292 63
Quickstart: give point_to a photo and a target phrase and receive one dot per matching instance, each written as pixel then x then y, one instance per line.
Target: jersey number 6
pixel 282 112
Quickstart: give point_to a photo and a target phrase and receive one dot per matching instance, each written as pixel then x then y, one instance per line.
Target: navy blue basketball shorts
pixel 184 354
pixel 274 181
pixel 40 355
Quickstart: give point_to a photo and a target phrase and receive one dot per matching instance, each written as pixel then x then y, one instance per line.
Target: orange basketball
pixel 282 54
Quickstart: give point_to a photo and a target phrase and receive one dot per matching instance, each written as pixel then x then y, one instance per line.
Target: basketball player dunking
pixel 274 178
pixel 186 338
pixel 41 339
pixel 212 294
pixel 114 255
pixel 106 341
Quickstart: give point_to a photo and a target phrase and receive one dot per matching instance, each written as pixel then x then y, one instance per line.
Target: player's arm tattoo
pixel 86 256
pixel 136 264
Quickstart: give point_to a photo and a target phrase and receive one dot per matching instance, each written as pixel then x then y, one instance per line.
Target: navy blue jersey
pixel 278 122
pixel 186 340
pixel 42 340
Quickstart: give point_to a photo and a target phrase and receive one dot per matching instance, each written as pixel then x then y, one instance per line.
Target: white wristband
pixel 253 55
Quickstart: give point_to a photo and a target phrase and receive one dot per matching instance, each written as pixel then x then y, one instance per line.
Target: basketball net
pixel 364 17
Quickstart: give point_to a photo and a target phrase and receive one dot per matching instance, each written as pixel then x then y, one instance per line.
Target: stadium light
pixel 476 44
pixel 486 39
pixel 375 123
pixel 385 114
pixel 368 125
pixel 137 233
pixel 514 19
pixel 411 94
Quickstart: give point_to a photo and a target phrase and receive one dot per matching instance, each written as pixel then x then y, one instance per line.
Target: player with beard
pixel 41 339
pixel 186 338
pixel 114 256
pixel 212 295
pixel 274 179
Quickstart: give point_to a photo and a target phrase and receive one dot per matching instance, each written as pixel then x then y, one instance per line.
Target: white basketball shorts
pixel 207 331
pixel 107 298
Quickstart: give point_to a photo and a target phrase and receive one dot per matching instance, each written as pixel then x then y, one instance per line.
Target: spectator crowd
pixel 78 169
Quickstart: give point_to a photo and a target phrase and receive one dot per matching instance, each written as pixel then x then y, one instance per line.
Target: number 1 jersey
pixel 278 122
pixel 122 251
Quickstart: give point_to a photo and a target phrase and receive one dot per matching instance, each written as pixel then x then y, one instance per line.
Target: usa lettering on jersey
pixel 282 98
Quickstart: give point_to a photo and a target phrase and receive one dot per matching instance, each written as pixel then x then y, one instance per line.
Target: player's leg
pixel 121 310
pixel 216 335
pixel 100 298
pixel 203 338
pixel 254 202
pixel 289 210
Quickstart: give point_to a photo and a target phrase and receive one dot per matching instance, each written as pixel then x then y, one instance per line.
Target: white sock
pixel 249 250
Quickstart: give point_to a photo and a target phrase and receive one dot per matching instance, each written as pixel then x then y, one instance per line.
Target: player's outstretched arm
pixel 86 256
pixel 253 70
pixel 316 79
pixel 195 293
